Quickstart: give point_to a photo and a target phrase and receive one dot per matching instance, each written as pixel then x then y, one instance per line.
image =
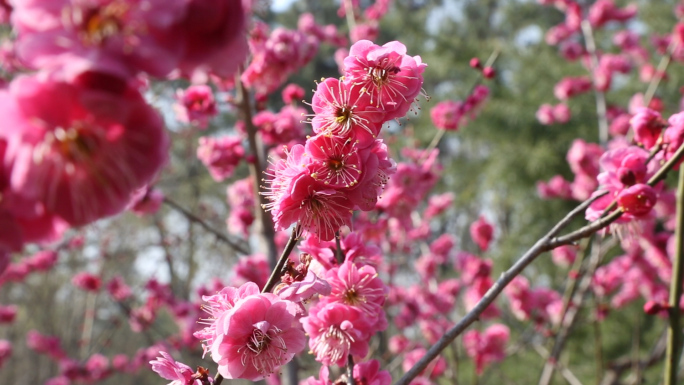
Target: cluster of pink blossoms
pixel 345 166
pixel 642 140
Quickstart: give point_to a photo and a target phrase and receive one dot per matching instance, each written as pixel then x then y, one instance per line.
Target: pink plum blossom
pixel 488 346
pixel 251 268
pixel 220 155
pixel 603 11
pixel 118 289
pixel 392 78
pixel 637 200
pixel 647 125
pixel 482 232
pixel 334 160
pixel 7 313
pixel 45 344
pixel 219 305
pixel 213 37
pixel 359 287
pixel 292 93
pixel 571 87
pixel 545 114
pixel 318 209
pixel 584 157
pixel 177 372
pixel 240 196
pixel 84 157
pixel 336 330
pixel 256 337
pixel 42 260
pixel 5 351
pixel 446 115
pixel 564 255
pixel 305 288
pixel 345 110
pixel 195 105
pixel 86 281
pixel 556 187
pixel 435 369
pixel 118 37
pixel 146 200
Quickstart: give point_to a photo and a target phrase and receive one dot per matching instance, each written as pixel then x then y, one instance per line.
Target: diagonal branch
pixel 237 246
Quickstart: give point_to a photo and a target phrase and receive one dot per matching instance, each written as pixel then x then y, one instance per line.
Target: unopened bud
pixel 475 63
pixel 489 72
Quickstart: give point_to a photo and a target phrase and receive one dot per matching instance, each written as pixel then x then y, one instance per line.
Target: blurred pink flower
pixel 86 281
pixel 84 157
pixel 488 346
pixel 482 233
pixel 220 155
pixel 195 105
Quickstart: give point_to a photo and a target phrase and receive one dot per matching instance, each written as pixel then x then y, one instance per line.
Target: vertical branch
pixel 601 108
pixel 349 13
pixel 674 331
pixel 350 370
pixel 568 321
pixel 598 343
pixel 264 222
pixel 167 253
pixel 88 322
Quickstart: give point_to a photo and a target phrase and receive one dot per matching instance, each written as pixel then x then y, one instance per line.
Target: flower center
pixel 335 164
pixel 381 75
pixel 97 24
pixel 627 177
pixel 258 342
pixel 351 297
pixel 342 115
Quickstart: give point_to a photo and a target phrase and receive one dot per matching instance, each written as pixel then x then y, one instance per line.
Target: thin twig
pixel 660 71
pixel 278 270
pixel 440 133
pixel 601 108
pixel 616 368
pixel 674 332
pixel 194 218
pixel 565 372
pixel 572 284
pixel 264 222
pixel 349 13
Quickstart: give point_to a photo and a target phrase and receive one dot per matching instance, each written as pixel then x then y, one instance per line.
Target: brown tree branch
pixel 235 245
